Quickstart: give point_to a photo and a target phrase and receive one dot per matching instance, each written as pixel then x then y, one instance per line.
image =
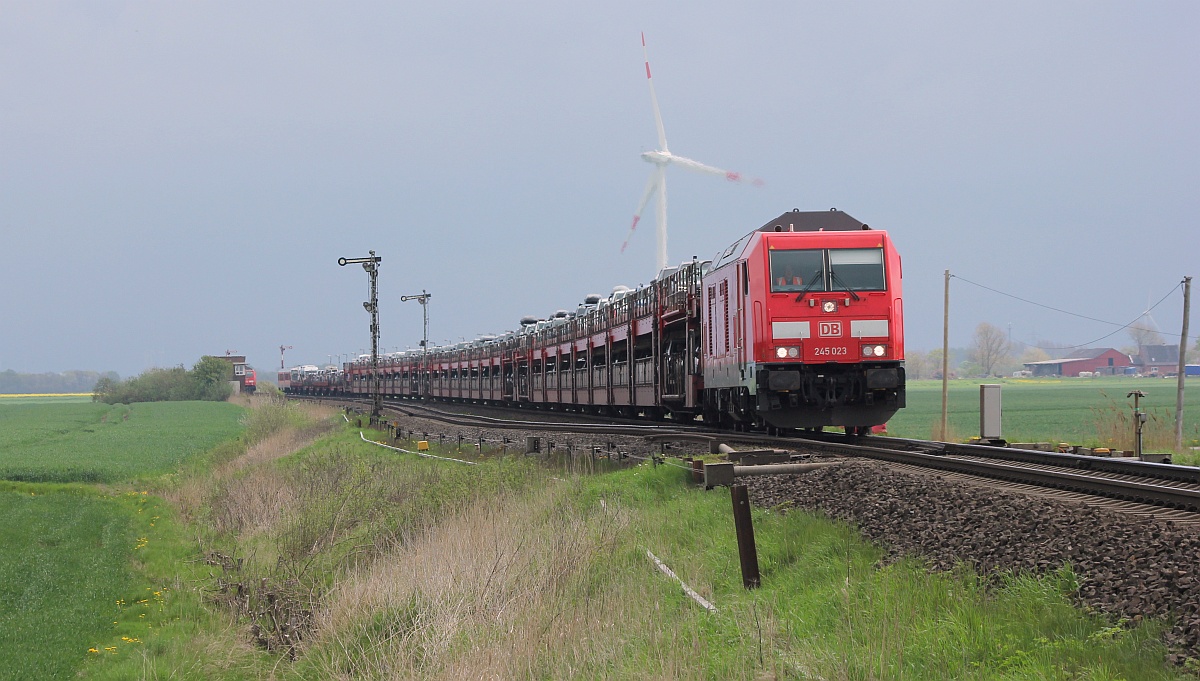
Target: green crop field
pixel 1083 411
pixel 48 398
pixel 72 556
pixel 91 442
pixel 64 564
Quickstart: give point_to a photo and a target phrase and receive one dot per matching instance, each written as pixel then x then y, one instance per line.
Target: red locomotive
pixel 798 324
pixel 805 327
pixel 243 374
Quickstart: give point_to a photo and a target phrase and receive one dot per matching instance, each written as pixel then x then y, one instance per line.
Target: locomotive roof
pixel 832 220
pixel 793 221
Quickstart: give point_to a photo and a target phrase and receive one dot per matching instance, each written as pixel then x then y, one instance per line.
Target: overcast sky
pixel 179 179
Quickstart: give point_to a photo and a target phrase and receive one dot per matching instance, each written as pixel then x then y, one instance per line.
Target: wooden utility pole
pixel 945 358
pixel 1182 376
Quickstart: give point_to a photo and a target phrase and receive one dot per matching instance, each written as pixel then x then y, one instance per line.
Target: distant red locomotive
pixel 243 374
pixel 798 324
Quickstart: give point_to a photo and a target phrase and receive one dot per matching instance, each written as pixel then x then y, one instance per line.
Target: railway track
pixel 1134 486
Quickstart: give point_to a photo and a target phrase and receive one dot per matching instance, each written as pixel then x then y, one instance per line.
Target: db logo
pixel 829 329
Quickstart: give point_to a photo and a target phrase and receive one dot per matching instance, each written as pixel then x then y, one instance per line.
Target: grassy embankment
pixel 362 563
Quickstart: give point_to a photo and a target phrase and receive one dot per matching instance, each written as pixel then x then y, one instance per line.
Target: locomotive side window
pixel 797 270
pixel 856 269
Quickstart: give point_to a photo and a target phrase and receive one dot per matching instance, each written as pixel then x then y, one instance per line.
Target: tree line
pixel 13 383
pixel 208 380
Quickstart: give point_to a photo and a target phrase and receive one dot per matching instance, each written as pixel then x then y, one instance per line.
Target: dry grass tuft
pixel 502 588
pixel 262 487
pixel 1115 427
pixel 951 434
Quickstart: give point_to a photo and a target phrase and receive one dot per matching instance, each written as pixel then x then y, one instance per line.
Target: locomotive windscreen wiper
pixel 819 275
pixel 838 280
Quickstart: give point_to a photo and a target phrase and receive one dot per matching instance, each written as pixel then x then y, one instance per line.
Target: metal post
pixel 1138 419
pixel 945 357
pixel 747 553
pixel 423 299
pixel 1182 376
pixel 371 265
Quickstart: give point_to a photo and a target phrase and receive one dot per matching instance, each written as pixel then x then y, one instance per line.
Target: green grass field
pixel 64 564
pixel 1082 411
pixel 56 398
pixel 84 571
pixel 89 442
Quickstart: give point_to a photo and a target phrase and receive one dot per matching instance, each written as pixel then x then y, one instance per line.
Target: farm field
pixel 64 564
pixel 75 558
pixel 55 398
pixel 1082 411
pixel 91 442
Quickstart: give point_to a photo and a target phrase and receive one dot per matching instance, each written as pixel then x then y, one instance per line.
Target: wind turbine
pixel 657 184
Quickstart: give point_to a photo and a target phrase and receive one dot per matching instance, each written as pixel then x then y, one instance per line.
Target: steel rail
pixel 1130 490
pixel 474 421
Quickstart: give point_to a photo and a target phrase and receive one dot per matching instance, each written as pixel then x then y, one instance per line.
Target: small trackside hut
pixel 245 379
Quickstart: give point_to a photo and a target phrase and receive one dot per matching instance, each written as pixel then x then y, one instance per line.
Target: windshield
pixel 793 271
pixel 856 269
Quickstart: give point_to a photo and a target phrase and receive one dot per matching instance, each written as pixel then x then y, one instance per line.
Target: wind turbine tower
pixel 657 184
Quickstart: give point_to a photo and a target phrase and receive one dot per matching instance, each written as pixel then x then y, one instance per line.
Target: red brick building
pixel 1103 361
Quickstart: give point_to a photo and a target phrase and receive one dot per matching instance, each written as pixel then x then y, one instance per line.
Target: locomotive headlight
pixel 781 352
pixel 793 352
pixel 874 350
pixel 829 306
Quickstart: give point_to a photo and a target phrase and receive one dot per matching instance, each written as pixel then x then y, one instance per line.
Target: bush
pixel 208 380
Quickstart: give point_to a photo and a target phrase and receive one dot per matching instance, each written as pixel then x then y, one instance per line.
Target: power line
pixel 1120 327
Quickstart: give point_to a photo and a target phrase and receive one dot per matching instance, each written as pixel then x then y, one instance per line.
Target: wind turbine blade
pixel 651 186
pixel 697 166
pixel 662 134
pixel 703 168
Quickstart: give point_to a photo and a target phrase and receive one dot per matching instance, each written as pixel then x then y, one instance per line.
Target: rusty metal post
pixel 747 553
pixel 697 470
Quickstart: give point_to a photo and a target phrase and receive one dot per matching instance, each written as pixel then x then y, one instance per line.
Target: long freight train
pixel 798 324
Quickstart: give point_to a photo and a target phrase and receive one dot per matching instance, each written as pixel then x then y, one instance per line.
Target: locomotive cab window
pixel 856 269
pixel 797 270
